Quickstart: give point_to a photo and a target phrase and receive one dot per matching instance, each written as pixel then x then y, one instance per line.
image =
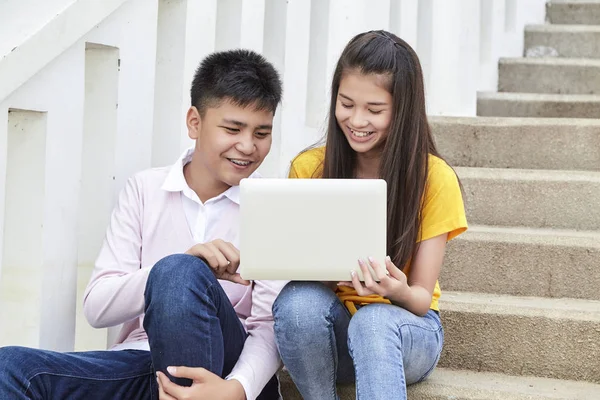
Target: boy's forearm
pixel 112 300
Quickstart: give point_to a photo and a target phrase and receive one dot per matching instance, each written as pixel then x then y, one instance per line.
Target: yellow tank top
pixel 443 212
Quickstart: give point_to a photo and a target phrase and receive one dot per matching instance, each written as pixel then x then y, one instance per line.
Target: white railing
pixel 92 91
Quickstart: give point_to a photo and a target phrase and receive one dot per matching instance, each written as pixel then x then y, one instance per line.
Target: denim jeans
pixel 382 348
pixel 189 320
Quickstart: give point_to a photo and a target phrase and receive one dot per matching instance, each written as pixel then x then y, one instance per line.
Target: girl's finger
pixel 369 281
pixel 358 286
pixel 392 269
pixel 380 271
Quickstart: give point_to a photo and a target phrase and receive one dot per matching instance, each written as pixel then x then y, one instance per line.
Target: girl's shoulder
pixel 308 164
pixel 443 207
pixel 439 171
pixel 442 184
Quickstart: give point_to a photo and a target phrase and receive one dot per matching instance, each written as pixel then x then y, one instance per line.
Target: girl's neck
pixel 367 166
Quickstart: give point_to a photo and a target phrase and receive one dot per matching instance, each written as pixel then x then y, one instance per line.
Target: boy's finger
pixel 221 261
pixel 236 278
pixel 232 254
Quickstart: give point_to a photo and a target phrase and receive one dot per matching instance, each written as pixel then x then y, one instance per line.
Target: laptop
pixel 310 229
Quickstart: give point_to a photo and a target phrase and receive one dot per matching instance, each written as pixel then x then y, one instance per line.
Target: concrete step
pixel 571 41
pixel 549 75
pixel 569 144
pixel 506 104
pixel 553 338
pixel 532 198
pixel 445 384
pixel 585 12
pixel 524 262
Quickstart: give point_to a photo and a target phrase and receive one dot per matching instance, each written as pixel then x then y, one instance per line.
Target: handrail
pixel 64 30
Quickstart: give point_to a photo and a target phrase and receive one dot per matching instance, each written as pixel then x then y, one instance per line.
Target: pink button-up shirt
pixel 156 215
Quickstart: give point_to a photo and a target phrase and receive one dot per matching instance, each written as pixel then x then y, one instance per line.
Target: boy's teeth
pixel 240 163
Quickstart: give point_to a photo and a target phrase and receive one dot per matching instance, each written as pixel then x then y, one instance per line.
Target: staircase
pixel 561 78
pixel 521 289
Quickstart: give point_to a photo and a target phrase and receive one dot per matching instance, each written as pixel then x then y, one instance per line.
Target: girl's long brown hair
pixel 404 158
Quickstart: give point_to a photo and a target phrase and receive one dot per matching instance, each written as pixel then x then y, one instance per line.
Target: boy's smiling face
pixel 231 142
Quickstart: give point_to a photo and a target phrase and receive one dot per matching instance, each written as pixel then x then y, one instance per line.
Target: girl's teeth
pixel 361 134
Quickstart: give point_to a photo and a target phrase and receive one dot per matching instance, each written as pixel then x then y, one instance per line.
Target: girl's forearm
pixel 416 299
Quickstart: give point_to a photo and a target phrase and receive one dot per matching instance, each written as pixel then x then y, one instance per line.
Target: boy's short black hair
pixel 240 76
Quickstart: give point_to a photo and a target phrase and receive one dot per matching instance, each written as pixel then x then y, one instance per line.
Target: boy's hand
pixel 205 385
pixel 222 257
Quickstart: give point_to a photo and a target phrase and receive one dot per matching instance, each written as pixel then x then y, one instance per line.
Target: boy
pixel 173 309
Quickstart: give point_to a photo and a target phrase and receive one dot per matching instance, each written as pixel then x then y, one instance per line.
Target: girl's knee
pixel 302 296
pixel 378 325
pixel 371 317
pixel 303 305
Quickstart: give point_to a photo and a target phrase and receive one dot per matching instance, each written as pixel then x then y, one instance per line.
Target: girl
pixel 382 335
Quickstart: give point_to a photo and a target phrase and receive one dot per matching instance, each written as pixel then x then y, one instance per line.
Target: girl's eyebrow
pixel 371 103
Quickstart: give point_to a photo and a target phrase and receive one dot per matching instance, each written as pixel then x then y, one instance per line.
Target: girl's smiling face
pixel 364 111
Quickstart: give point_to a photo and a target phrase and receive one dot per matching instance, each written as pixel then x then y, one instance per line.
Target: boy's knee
pixel 14 357
pixel 178 269
pixel 174 264
pixel 174 276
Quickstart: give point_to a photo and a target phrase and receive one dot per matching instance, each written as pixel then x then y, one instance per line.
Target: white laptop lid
pixel 310 229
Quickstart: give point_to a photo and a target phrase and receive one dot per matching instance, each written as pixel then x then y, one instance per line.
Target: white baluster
pixel 200 22
pixel 448 47
pixel 41 215
pixel 492 39
pixel 132 29
pixel 295 135
pixel 98 174
pixel 169 85
pixel 403 20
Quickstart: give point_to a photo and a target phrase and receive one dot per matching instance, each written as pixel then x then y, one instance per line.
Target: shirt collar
pixel 175 180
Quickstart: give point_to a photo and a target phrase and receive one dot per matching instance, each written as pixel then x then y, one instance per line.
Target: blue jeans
pixel 382 348
pixel 189 320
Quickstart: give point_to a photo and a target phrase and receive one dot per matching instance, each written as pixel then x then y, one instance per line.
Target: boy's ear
pixel 194 122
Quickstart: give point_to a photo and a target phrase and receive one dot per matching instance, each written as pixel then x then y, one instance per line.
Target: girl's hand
pixel 205 385
pixel 392 281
